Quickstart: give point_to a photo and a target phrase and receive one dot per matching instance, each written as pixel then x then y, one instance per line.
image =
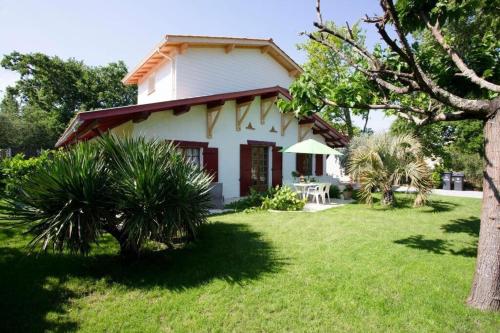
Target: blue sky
pixel 99 32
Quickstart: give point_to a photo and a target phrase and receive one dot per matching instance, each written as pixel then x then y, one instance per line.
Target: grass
pixel 346 269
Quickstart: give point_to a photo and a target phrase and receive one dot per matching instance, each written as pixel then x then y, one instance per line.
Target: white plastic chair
pixel 327 192
pixel 317 192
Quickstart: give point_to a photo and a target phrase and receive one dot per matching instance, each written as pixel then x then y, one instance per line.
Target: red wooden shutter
pixel 319 165
pixel 277 171
pixel 245 169
pixel 299 163
pixel 211 162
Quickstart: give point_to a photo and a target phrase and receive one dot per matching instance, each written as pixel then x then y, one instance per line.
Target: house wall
pixel 207 71
pixel 164 84
pixel 191 126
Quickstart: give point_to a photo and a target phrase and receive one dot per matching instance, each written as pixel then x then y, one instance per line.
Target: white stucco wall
pixel 164 84
pixel 191 126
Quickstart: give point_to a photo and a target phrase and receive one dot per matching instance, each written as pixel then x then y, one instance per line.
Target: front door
pixel 260 168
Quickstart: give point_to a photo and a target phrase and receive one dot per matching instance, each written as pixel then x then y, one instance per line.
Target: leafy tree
pixel 380 161
pixel 325 79
pixel 137 190
pixel 441 63
pixel 49 92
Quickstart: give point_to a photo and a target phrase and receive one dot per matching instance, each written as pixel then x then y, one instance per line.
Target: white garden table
pixel 303 187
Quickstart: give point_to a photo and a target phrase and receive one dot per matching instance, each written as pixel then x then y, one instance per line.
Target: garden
pixel 345 269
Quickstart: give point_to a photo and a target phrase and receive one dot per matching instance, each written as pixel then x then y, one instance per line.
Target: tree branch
pixel 466 71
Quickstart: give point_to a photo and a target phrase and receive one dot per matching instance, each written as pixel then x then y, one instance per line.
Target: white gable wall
pixel 202 71
pixel 208 71
pixel 191 126
pixel 164 85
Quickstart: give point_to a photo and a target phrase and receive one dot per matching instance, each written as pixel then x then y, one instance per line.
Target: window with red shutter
pixel 319 165
pixel 211 162
pixel 277 171
pixel 245 169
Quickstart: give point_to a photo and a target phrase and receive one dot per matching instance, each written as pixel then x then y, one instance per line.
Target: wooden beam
pixel 303 130
pixel 293 73
pixel 265 49
pixel 286 120
pixel 320 131
pixel 141 117
pixel 240 115
pixel 183 47
pixel 212 116
pixel 90 127
pixel 264 109
pixel 181 109
pixel 229 47
pixel 306 121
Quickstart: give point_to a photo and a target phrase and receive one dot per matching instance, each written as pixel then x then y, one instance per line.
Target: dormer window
pixel 151 84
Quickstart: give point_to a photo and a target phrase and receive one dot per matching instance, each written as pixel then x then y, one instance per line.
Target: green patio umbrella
pixel 311 146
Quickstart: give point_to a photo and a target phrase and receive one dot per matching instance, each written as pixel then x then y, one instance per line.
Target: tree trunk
pixel 348 122
pixel 126 250
pixel 388 197
pixel 485 293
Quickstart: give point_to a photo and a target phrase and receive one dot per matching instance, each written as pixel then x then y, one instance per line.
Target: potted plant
pixel 295 175
pixel 347 192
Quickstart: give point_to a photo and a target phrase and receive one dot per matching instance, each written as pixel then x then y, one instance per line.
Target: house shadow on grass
pixel 32 286
pixel 469 226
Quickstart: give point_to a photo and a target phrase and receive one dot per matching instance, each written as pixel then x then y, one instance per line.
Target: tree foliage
pixel 381 161
pixel 35 110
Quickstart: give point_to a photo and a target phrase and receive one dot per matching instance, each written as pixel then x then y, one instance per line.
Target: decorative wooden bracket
pixel 264 109
pixel 183 47
pixel 304 129
pixel 242 109
pixel 286 120
pixel 229 47
pixel 213 112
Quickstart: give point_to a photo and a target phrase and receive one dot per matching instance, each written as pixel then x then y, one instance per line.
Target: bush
pixel 334 192
pixel 15 170
pixel 134 189
pixel 253 200
pixel 283 199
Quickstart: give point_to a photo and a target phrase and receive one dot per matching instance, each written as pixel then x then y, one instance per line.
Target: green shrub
pixel 134 189
pixel 283 199
pixel 15 170
pixel 335 192
pixel 253 200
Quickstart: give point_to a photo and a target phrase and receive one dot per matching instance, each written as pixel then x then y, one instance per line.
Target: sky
pixel 99 32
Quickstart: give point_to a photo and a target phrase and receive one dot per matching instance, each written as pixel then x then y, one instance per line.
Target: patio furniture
pixel 317 191
pixel 302 188
pixel 327 192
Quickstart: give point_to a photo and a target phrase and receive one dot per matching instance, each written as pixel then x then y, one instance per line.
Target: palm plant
pixel 382 160
pixel 137 190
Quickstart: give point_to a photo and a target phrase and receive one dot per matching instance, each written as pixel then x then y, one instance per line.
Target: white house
pixel 216 98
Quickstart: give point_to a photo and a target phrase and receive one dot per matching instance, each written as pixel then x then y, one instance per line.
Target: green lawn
pixel 346 269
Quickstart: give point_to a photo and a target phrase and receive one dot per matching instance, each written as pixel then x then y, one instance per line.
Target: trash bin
pixel 458 181
pixel 446 180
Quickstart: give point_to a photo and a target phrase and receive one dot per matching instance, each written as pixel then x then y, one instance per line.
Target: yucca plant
pixel 382 160
pixel 158 194
pixel 137 190
pixel 66 203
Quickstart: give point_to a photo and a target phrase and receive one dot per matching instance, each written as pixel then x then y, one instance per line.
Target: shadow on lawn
pixel 33 286
pixel 404 201
pixel 469 226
